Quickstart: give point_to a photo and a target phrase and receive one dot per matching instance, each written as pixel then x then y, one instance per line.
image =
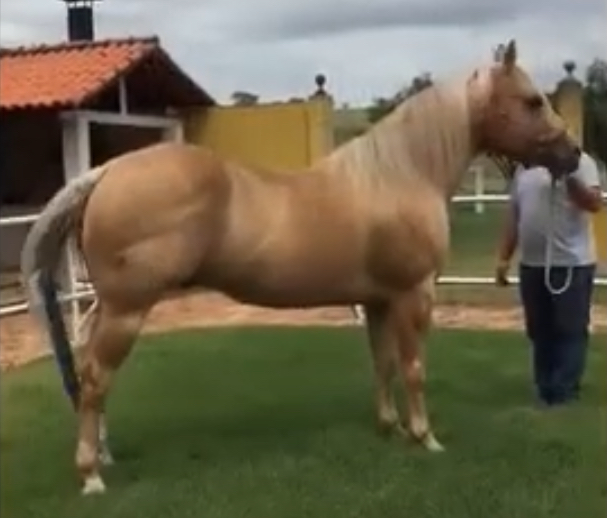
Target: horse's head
pixel 514 118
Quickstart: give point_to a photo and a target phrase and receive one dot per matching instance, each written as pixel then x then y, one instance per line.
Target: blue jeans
pixel 557 326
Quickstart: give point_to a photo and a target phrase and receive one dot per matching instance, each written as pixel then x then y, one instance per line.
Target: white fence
pixel 84 292
pixel 77 157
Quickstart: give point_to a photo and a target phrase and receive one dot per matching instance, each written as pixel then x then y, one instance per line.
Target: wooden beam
pixel 124 119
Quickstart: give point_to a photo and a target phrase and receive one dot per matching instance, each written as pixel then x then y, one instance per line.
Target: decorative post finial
pixel 569 66
pixel 320 80
pixel 321 93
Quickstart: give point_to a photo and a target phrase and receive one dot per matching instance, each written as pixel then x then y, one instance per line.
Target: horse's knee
pixel 415 373
pixel 421 314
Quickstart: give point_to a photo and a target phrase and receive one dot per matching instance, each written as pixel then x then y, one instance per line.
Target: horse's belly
pixel 282 299
pixel 281 287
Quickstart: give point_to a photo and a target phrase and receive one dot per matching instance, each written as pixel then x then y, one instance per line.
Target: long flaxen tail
pixel 40 259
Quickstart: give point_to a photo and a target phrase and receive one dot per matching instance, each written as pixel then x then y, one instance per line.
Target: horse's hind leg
pixel 382 341
pixel 105 453
pixel 412 314
pixel 84 332
pixel 111 339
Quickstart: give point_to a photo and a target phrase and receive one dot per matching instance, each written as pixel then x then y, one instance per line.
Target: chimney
pixel 80 22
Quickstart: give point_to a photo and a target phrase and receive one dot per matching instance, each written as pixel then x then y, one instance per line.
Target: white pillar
pixel 76 159
pixel 174 133
pixel 479 188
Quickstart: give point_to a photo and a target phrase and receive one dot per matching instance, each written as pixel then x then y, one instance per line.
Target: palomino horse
pixel 368 224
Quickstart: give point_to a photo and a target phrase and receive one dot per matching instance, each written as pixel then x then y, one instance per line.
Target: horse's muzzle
pixel 562 156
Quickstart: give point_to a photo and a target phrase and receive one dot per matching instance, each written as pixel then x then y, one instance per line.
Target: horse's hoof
pixel 431 443
pixel 93 486
pixel 426 439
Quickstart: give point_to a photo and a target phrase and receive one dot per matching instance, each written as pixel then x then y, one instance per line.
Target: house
pixel 71 105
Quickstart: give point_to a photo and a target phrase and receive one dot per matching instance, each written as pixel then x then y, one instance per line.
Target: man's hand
pixel 501 273
pixel 586 198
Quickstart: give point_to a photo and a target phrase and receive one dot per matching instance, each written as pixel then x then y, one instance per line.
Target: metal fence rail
pixel 83 291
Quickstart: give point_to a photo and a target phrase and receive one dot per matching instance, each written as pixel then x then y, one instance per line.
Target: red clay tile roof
pixel 70 74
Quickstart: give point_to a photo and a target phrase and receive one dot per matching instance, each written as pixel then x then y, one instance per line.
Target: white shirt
pixel 573 243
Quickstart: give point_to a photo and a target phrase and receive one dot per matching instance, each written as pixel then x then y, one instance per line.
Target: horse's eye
pixel 534 102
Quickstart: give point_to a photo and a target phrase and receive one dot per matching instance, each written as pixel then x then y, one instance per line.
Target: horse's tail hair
pixel 40 258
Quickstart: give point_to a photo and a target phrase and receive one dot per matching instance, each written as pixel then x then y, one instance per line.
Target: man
pixel 556 302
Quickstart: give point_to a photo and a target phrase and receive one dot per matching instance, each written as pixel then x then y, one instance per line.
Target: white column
pixel 479 188
pixel 174 133
pixel 76 159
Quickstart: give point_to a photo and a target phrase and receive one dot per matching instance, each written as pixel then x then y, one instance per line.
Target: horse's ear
pixel 509 55
pixel 498 54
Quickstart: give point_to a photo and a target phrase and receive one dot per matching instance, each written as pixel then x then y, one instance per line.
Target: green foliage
pixel 595 109
pixel 242 98
pixel 343 135
pixel 382 106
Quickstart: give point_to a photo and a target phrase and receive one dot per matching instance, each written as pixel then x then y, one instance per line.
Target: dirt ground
pixel 20 341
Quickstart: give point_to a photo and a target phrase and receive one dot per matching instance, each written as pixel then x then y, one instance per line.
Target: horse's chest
pixel 410 247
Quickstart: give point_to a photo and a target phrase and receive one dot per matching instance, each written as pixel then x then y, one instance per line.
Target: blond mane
pixel 427 137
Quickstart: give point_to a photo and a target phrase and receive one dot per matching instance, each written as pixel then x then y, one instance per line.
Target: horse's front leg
pixel 383 344
pixel 411 315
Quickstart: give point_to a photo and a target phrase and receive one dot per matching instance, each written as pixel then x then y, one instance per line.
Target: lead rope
pixel 550 249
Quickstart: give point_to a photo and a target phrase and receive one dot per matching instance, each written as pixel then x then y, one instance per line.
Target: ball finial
pixel 321 81
pixel 569 66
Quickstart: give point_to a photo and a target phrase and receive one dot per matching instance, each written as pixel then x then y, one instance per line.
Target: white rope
pixel 83 330
pixel 550 248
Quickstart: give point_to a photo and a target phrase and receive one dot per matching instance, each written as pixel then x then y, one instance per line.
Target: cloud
pixel 366 48
pixel 312 19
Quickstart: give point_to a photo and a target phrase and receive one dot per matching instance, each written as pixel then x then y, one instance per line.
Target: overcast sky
pixel 367 48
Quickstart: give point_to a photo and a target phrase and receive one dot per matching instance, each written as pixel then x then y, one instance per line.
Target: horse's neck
pixel 423 140
pixel 437 137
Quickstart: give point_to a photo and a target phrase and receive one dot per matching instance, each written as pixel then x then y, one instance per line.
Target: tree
pixel 242 98
pixel 419 83
pixel 382 106
pixel 595 109
pixel 596 75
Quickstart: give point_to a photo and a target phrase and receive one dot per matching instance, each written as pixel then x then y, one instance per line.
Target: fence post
pixel 176 133
pixel 479 188
pixel 319 115
pixel 76 160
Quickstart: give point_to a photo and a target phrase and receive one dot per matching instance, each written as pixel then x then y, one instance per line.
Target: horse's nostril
pixel 578 151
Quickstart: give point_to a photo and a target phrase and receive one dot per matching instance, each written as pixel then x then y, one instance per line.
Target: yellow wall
pixel 569 102
pixel 280 135
pixel 568 99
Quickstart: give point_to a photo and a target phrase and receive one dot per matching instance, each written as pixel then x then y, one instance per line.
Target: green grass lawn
pixel 278 423
pixel 474 239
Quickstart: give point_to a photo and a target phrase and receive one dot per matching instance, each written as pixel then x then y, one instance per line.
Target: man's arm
pixel 508 240
pixel 583 186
